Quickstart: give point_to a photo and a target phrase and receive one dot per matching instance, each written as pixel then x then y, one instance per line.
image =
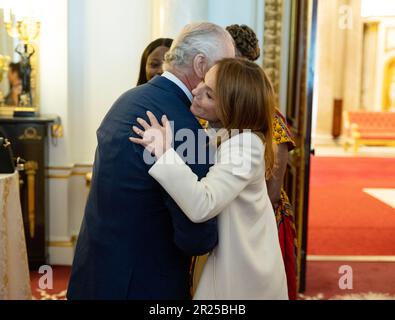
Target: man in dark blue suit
pixel 135 242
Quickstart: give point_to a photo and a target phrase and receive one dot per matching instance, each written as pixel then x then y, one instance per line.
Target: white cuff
pixel 170 157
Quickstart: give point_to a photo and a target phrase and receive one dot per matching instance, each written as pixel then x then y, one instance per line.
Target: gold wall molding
pixel 63 244
pixel 77 170
pixel 78 174
pixel 272 41
pixel 58 176
pixel 66 176
pixel 83 165
pixel 60 244
pixel 60 168
pixel 72 167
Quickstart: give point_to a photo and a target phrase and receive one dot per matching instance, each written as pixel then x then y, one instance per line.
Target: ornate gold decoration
pixel 31 168
pixel 4 62
pixel 57 131
pixel 30 134
pixel 27 30
pixel 272 41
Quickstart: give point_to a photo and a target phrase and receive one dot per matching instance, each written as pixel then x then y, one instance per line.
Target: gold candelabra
pixel 27 29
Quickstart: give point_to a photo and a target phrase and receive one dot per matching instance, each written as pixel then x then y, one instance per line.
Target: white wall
pixel 170 16
pixel 53 66
pixel 249 12
pixel 106 39
pixel 89 55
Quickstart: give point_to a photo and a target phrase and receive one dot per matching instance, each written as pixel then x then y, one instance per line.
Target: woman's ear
pixel 200 65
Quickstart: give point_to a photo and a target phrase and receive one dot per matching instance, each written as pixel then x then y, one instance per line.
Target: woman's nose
pixel 196 91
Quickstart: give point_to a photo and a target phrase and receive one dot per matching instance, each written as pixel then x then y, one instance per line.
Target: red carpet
pixel 343 220
pixel 322 281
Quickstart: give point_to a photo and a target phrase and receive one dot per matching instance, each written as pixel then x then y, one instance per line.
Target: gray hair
pixel 198 38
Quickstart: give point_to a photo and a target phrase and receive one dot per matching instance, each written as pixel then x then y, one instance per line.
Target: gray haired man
pixel 135 242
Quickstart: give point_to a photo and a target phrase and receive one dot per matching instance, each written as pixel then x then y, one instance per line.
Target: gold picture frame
pixel 8 48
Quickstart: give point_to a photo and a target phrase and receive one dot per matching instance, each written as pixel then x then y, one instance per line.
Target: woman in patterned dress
pixel 247 46
pixel 281 204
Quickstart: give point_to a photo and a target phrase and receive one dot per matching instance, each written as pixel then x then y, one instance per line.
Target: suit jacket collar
pixel 167 85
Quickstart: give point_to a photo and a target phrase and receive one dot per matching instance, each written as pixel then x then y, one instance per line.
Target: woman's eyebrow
pixel 207 86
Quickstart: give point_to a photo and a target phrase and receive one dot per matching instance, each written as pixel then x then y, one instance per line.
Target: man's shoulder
pixel 147 95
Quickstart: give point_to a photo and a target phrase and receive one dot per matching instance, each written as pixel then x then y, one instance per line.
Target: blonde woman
pixel 247 46
pixel 237 97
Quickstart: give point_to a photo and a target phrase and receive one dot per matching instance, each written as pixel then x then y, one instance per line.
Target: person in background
pixel 152 59
pixel 15 81
pixel 247 46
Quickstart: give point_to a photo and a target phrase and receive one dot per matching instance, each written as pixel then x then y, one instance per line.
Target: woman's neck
pixel 215 125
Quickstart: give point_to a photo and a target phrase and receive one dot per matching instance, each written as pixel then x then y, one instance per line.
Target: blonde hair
pixel 245 100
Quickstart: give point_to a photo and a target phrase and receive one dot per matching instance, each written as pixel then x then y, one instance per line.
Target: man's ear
pixel 200 65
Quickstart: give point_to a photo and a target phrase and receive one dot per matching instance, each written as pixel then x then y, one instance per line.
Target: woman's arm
pixel 275 183
pixel 239 160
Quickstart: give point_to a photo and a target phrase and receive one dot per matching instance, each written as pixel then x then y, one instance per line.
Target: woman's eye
pixel 209 96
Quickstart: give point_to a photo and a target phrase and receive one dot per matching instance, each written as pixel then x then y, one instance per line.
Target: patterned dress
pixel 284 213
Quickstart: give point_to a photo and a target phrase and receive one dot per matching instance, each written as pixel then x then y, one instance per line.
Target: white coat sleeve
pixel 238 161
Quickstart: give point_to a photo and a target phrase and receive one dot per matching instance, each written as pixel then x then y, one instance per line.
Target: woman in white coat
pixel 237 97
